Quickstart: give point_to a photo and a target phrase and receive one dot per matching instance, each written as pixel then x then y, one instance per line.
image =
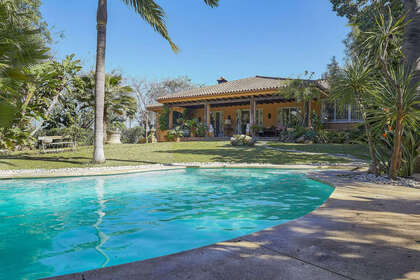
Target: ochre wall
pixel 267 108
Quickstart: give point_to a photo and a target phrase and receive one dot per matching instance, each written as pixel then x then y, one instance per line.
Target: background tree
pixel 119 104
pixel 353 84
pixel 153 14
pixel 303 90
pixel 21 46
pixel 148 92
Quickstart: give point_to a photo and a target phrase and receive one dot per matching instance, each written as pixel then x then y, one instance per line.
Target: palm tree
pixel 303 91
pixel 396 111
pixel 397 90
pixel 118 100
pixel 354 85
pixel 153 14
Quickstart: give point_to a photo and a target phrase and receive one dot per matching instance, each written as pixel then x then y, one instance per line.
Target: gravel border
pixel 94 171
pixel 97 171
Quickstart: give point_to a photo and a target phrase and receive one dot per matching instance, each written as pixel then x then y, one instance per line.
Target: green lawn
pixel 130 154
pixel 355 150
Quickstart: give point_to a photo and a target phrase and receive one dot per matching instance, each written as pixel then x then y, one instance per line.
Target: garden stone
pixel 301 139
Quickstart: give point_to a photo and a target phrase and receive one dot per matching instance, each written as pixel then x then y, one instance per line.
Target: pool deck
pixel 363 231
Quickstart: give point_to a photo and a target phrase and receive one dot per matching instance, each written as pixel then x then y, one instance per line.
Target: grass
pixel 139 154
pixel 355 150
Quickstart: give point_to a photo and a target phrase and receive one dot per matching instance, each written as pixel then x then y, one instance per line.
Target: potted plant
pixel 191 125
pixel 114 133
pixel 175 134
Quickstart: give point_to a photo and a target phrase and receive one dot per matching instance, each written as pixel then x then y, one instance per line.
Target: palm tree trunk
pixel 105 123
pixel 396 152
pixel 374 166
pixel 101 18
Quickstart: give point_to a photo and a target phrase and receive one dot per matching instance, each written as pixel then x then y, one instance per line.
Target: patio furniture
pixel 56 144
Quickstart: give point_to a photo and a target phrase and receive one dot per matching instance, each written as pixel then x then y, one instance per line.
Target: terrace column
pixel 253 114
pixel 207 117
pixel 171 119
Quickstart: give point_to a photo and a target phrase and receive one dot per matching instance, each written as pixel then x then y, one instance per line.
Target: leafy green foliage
pixel 164 118
pixel 132 135
pixel 303 91
pixel 120 104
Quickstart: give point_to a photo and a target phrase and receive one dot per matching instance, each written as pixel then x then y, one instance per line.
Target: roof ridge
pixel 274 78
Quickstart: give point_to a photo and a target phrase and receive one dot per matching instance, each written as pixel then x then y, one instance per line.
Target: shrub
pixel 242 140
pixel 201 130
pixel 164 118
pixel 175 133
pixel 132 135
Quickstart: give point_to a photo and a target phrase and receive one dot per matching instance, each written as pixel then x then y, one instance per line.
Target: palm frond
pixel 153 14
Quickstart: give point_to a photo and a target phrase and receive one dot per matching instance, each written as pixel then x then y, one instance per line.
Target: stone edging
pixel 97 171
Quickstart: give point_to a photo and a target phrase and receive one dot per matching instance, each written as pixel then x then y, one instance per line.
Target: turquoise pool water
pixel 51 227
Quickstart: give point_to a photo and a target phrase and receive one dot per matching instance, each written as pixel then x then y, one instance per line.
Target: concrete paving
pixel 364 231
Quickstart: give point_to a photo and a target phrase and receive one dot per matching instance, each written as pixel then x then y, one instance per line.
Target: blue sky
pixel 240 38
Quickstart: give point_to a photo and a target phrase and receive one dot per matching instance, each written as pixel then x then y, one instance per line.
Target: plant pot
pixel 113 137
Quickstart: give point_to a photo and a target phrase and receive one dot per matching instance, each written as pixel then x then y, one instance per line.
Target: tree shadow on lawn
pixel 70 160
pixel 256 155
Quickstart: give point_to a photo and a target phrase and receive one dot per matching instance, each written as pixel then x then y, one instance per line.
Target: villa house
pixel 232 107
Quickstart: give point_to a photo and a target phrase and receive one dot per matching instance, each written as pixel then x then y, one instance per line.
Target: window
pixel 331 112
pixel 286 117
pixel 259 117
pixel 355 112
pixel 341 112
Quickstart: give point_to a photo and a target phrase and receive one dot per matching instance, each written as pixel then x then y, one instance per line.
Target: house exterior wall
pixel 268 109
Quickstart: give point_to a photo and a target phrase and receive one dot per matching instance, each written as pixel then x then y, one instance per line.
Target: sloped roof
pixel 243 85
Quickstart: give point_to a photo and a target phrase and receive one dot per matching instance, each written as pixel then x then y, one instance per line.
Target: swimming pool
pixel 56 226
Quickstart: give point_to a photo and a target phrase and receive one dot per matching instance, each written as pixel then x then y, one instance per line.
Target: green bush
pixel 201 130
pixel 132 135
pixel 164 118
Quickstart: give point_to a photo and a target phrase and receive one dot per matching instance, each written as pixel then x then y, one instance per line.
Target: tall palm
pixel 153 14
pixel 354 85
pixel 397 111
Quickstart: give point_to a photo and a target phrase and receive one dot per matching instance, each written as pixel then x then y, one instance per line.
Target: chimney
pixel 221 80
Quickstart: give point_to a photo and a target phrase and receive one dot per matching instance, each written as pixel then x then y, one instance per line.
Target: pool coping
pixel 339 240
pixel 115 170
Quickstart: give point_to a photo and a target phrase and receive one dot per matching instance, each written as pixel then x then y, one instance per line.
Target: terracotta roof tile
pixel 252 84
pixel 243 85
